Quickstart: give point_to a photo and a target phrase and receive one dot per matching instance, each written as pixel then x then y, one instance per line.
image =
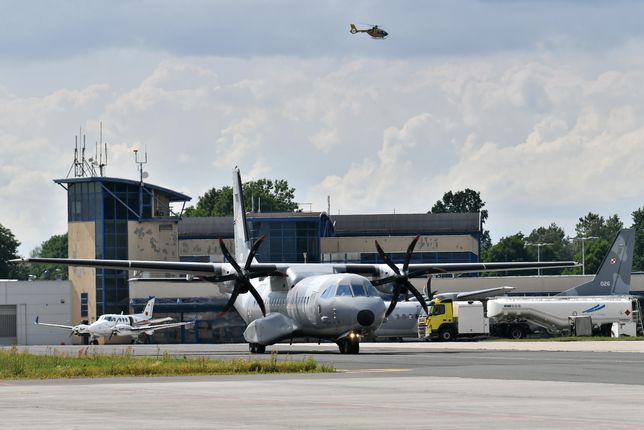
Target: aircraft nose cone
pixel 366 317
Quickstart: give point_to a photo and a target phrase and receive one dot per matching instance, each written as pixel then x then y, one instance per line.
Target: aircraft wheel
pixel 342 345
pixel 516 332
pixel 354 348
pixel 94 342
pixel 256 348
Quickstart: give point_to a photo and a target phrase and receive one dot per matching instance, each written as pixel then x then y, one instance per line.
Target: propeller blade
pixel 394 300
pixel 418 296
pixel 392 306
pixel 428 288
pixel 258 298
pixel 232 299
pixel 410 250
pixel 229 257
pixel 253 251
pixel 383 281
pixel 386 259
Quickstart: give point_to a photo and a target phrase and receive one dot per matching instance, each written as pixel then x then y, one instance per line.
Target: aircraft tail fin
pixel 240 228
pixel 149 308
pixel 353 30
pixel 614 275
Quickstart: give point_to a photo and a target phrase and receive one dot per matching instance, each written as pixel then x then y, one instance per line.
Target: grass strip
pixel 21 365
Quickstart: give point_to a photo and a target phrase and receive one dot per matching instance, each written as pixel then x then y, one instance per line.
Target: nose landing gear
pixel 349 344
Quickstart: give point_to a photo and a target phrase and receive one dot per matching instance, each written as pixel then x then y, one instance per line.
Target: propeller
pixel 400 278
pixel 428 288
pixel 244 275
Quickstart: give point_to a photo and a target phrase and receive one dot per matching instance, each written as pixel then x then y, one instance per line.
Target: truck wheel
pixel 446 334
pixel 516 332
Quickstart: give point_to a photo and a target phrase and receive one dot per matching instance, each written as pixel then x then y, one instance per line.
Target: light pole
pixel 538 245
pixel 583 250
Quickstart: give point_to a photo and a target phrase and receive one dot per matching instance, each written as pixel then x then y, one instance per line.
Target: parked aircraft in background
pixel 614 274
pixel 279 301
pixel 120 325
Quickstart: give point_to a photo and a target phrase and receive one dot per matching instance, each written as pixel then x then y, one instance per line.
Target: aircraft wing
pixel 159 320
pixel 477 294
pixel 483 293
pixel 68 327
pixel 152 328
pixel 218 272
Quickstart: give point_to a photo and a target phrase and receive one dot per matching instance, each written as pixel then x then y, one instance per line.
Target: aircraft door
pixel 312 313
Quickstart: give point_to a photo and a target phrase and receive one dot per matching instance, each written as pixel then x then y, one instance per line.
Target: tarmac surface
pixel 495 385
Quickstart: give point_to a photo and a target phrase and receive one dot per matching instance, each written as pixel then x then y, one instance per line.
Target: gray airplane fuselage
pixel 326 306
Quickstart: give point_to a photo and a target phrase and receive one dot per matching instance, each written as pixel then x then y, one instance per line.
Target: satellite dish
pixel 144 175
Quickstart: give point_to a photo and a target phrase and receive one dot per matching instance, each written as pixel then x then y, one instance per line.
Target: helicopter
pixel 375 32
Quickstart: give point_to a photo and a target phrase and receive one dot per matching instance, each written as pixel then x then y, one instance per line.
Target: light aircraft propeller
pixel 400 278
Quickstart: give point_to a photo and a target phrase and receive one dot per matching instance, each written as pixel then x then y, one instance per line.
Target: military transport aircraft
pixel 281 301
pixel 120 325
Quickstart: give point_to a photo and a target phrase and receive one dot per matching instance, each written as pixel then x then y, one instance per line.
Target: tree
pixel 510 248
pixel 267 195
pixel 54 247
pixel 638 252
pixel 559 248
pixel 605 230
pixel 8 251
pixel 466 201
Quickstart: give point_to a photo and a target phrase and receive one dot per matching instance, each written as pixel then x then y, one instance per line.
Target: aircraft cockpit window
pixel 372 290
pixel 343 290
pixel 329 292
pixel 358 290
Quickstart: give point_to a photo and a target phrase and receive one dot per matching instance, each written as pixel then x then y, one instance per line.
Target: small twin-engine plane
pixel 120 325
pixel 375 31
pixel 326 301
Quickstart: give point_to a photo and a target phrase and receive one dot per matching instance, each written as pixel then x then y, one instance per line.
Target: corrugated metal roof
pixel 346 225
pixel 405 224
pixel 206 227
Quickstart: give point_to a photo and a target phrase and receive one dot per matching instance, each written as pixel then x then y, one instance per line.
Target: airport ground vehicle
pixel 449 319
pixel 516 317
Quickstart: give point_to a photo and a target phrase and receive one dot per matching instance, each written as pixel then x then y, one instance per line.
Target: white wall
pixel 51 300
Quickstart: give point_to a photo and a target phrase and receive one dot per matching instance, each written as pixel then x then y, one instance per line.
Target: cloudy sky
pixel 539 105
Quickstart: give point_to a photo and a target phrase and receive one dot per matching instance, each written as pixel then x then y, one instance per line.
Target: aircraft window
pixel 437 310
pixel 329 292
pixel 371 290
pixel 358 290
pixel 343 290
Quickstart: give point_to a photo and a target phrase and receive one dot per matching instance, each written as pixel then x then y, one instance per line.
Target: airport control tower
pixel 114 218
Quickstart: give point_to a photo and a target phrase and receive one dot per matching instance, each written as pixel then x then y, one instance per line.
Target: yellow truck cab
pixel 449 319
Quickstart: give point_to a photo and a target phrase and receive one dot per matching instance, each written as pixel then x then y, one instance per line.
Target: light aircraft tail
pixel 614 274
pixel 240 228
pixel 149 308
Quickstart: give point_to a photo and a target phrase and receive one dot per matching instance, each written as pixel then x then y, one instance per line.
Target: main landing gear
pixel 256 348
